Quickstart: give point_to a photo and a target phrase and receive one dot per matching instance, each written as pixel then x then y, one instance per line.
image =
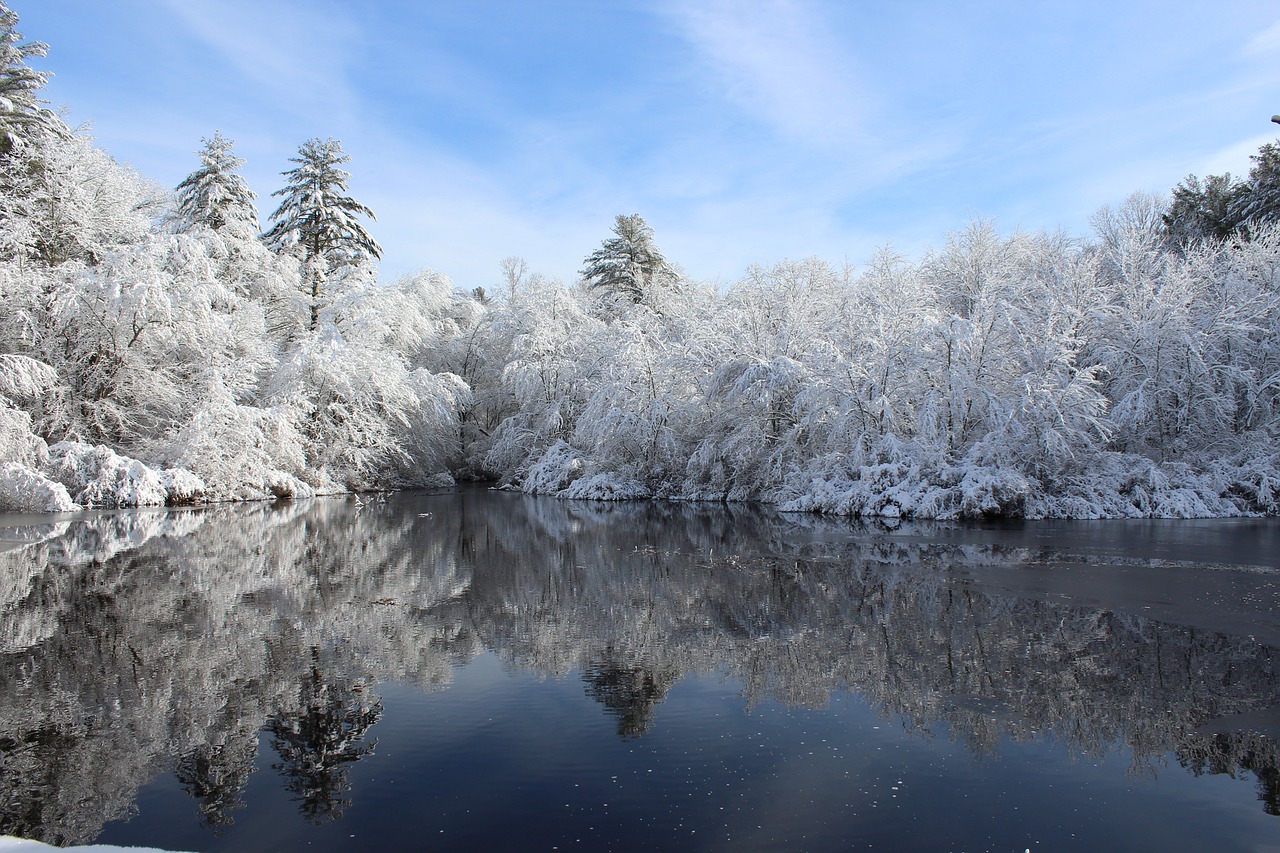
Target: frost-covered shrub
pixel 903 480
pixel 606 487
pixel 437 482
pixel 24 490
pixel 98 476
pixel 564 471
pixel 555 470
pixel 17 442
pixel 21 378
pixel 974 491
pixel 1253 482
pixel 182 487
pixel 240 452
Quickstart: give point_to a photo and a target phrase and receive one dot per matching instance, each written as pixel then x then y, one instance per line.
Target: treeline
pixel 162 347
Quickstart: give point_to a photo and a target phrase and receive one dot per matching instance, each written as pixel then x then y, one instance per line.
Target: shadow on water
pixel 138 643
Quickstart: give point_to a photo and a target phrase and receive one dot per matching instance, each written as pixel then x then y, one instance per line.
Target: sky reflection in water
pixel 482 670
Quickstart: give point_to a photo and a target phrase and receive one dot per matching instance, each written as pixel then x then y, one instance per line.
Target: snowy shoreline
pixel 12 844
pixel 1127 487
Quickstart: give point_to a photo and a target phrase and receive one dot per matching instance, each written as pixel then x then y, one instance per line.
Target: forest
pixel 163 347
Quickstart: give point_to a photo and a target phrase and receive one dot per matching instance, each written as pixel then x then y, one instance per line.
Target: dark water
pixel 483 671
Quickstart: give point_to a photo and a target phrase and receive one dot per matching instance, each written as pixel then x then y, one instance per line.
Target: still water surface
pixel 480 670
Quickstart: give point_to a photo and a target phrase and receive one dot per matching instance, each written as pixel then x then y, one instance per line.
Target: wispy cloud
pixel 774 60
pixel 1265 43
pixel 743 131
pixel 1235 158
pixel 294 53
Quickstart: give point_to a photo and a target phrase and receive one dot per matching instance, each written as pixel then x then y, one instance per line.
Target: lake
pixel 484 670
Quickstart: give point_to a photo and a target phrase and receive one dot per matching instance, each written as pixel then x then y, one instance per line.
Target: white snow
pixel 24 490
pixel 99 477
pixel 10 844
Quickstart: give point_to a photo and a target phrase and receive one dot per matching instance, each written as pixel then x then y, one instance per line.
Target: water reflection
pixel 317 742
pixel 134 644
pixel 629 692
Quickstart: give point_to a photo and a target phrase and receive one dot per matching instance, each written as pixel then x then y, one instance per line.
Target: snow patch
pixel 10 844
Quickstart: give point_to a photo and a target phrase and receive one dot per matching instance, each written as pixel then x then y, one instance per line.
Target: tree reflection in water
pixel 629 693
pixel 317 742
pixel 215 776
pixel 134 644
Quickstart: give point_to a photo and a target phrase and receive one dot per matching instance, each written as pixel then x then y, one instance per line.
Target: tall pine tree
pixel 317 218
pixel 22 114
pixel 1259 200
pixel 1203 210
pixel 628 265
pixel 215 195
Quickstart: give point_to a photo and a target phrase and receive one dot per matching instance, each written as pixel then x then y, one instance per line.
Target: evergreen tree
pixel 215 195
pixel 1203 210
pixel 22 116
pixel 1259 200
pixel 318 219
pixel 628 266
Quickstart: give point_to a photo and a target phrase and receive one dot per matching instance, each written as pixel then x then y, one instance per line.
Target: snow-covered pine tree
pixel 628 266
pixel 22 114
pixel 215 195
pixel 1258 202
pixel 317 218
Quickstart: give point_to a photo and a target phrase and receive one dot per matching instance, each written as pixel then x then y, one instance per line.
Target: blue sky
pixel 744 132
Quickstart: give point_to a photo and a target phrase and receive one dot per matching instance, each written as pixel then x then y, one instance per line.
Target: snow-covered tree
pixel 1258 201
pixel 546 333
pixel 865 360
pixel 63 199
pixel 318 220
pixel 635 426
pixel 628 266
pixel 366 418
pixel 22 378
pixel 148 335
pixel 241 451
pixel 515 271
pixel 1135 373
pixel 23 115
pixel 1130 238
pixel 973 280
pixel 215 195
